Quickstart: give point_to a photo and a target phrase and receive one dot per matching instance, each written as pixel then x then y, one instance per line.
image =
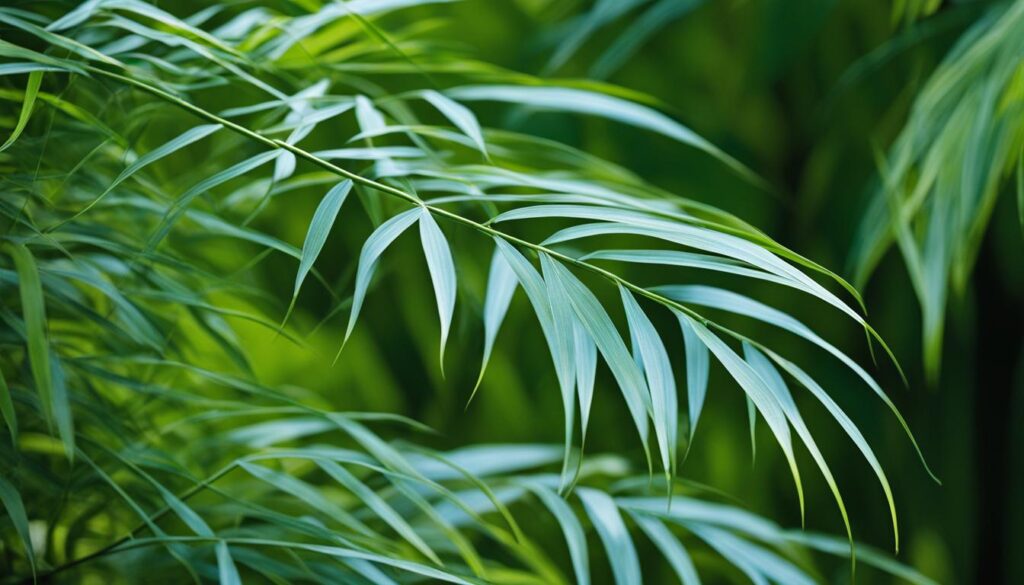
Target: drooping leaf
pixel 374 246
pixel 33 308
pixel 7 409
pixel 319 227
pixel 571 529
pixel 35 79
pixel 15 508
pixel 501 285
pixel 442 273
pixel 756 389
pixel 660 379
pixel 226 570
pixel 618 544
pixel 598 104
pixel 459 115
pixel 697 370
pixel 601 329
pixel 670 547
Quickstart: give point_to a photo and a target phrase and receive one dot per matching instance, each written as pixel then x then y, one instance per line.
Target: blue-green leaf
pixel 442 273
pixel 319 227
pixel 374 246
pixel 598 104
pixel 614 535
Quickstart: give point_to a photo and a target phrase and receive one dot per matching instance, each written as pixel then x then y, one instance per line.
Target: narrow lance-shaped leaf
pixel 34 313
pixel 501 285
pixel 614 535
pixel 35 79
pixel 586 371
pixel 374 246
pixel 319 227
pixel 697 369
pixel 741 305
pixel 184 139
pixel 7 409
pixel 563 318
pixel 777 385
pixel 227 572
pixel 459 115
pixel 442 273
pixel 379 507
pixel 660 379
pixel 601 329
pixel 758 392
pixel 575 538
pixel 599 104
pixel 12 502
pixel 544 296
pixel 851 430
pixel 62 407
pixel 670 548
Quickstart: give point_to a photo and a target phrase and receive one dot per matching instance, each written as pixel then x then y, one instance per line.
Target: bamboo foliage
pixel 111 296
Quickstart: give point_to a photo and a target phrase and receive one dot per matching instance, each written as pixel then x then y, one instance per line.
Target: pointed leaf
pixel 501 285
pixel 670 547
pixel 459 115
pixel 757 390
pixel 319 227
pixel 35 79
pixel 598 104
pixel 442 273
pixel 12 502
pixel 226 570
pixel 697 370
pixel 571 529
pixel 616 539
pixel 660 379
pixel 601 329
pixel 374 246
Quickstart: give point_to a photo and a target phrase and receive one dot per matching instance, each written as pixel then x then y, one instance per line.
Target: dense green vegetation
pixel 535 291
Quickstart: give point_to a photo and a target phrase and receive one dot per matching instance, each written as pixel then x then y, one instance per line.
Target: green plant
pixel 940 183
pixel 132 201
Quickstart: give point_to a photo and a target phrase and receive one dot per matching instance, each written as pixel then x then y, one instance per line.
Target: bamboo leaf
pixel 572 530
pixel 35 79
pixel 601 329
pixel 459 115
pixel 7 409
pixel 614 535
pixel 697 370
pixel 660 379
pixel 598 104
pixel 374 246
pixel 319 228
pixel 670 547
pixel 758 392
pixel 501 285
pixel 442 273
pixel 15 508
